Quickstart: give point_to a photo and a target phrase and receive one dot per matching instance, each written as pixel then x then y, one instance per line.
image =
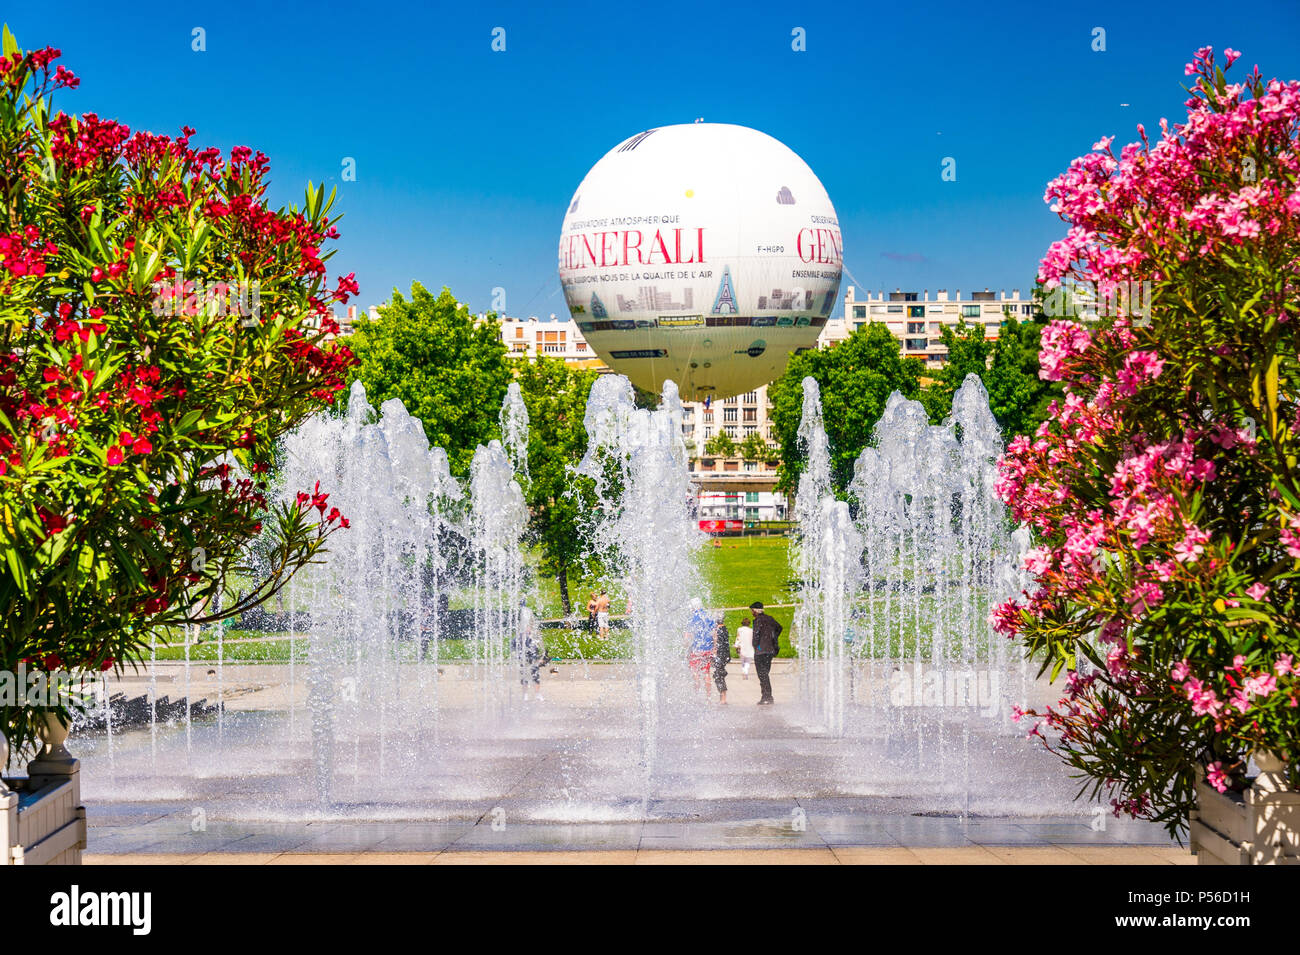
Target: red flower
pixel 114 457
pixel 107 664
pixel 141 446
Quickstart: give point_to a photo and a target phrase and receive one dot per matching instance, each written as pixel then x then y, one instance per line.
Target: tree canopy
pixel 448 369
pixel 1008 367
pixel 720 445
pixel 856 378
pixel 556 398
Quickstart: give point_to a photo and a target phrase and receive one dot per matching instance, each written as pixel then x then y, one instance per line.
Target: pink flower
pixel 1037 561
pixel 1284 665
pixel 1006 620
pixel 1216 777
pixel 1230 56
pixel 1257 591
pixel 1180 670
pixel 1262 684
pixel 1192 546
pixel 1205 702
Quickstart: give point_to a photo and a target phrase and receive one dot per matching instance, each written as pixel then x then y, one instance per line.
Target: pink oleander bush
pixel 1164 490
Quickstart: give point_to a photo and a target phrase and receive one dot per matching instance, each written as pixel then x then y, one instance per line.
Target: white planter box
pixel 42 821
pixel 1260 826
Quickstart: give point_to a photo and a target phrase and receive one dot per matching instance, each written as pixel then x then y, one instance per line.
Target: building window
pixel 916 344
pixel 749 429
pixel 730 401
pixel 749 465
pixel 751 398
pixel 751 414
pixel 970 311
pixel 751 497
pixel 916 311
pixel 730 429
pixel 729 414
pixel 708 433
pixel 708 416
pixel 859 311
pixel 916 328
pixel 910 296
pixel 895 310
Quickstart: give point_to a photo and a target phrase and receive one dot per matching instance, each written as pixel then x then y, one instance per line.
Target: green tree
pixel 720 445
pixel 1018 397
pixel 450 370
pixel 556 398
pixel 968 354
pixel 1008 367
pixel 754 448
pixel 856 379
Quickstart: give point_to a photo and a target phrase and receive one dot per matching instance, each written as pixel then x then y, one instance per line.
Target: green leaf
pixel 128 565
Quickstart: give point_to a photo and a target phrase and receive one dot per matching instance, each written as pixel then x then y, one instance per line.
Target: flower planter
pixel 42 821
pixel 1260 826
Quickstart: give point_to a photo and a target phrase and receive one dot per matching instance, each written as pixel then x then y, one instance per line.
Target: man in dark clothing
pixel 767 643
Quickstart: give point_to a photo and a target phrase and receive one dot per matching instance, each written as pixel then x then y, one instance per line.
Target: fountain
pixel 644 533
pixel 896 651
pixel 398 699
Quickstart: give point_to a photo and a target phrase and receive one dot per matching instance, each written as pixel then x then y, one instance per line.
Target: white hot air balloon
pixel 702 253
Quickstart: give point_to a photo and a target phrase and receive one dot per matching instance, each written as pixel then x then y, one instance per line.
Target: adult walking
pixel 767 644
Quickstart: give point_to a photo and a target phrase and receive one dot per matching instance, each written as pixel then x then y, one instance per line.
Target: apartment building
pixel 556 338
pixel 914 318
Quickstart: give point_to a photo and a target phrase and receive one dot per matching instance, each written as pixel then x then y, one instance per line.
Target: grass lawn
pixel 736 572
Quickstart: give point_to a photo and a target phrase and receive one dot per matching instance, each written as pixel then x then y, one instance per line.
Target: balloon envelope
pixel 703 253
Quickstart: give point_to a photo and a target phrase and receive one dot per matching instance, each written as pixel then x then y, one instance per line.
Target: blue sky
pixel 466 158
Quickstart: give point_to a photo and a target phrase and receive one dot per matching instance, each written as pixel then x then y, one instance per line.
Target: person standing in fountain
pixel 745 646
pixel 529 650
pixel 602 615
pixel 700 639
pixel 767 644
pixel 721 657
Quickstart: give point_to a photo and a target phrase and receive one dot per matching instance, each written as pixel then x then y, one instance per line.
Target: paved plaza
pixel 558 782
